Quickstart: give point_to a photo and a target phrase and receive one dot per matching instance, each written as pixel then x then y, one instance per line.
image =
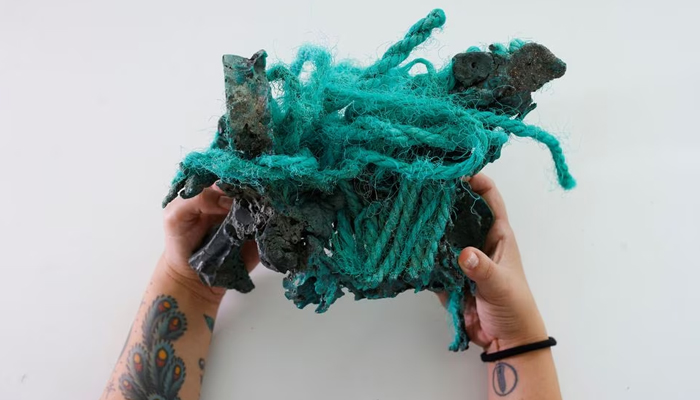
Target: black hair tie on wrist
pixel 526 348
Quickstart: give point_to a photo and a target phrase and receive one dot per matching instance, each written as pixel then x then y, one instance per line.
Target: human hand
pixel 186 222
pixel 503 313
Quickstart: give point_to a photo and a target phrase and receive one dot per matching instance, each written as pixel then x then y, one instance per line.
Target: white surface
pixel 98 102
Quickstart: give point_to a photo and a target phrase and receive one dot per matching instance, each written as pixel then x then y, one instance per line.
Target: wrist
pixel 531 332
pixel 188 281
pixel 504 344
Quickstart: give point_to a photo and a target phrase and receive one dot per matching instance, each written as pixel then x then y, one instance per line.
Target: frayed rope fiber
pixel 352 176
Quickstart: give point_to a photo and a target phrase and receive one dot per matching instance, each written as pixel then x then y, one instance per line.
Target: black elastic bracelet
pixel 526 348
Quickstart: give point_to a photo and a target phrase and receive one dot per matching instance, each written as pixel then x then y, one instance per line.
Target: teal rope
pixel 428 206
pixel 406 194
pixel 407 217
pixel 455 308
pixel 400 51
pixel 518 128
pixel 434 233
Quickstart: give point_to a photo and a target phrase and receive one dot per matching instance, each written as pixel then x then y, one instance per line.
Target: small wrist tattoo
pixel 504 379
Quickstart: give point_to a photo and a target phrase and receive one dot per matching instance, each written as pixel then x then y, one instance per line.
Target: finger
pixel 225 203
pixel 216 188
pixel 488 276
pixel 471 316
pixel 207 202
pixel 443 297
pixel 486 188
pixel 211 202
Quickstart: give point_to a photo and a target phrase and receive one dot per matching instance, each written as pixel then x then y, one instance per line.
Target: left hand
pixel 186 222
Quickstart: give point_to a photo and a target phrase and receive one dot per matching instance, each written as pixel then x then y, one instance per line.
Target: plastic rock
pixel 350 180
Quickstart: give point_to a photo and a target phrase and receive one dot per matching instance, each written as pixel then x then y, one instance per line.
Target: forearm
pixel 167 346
pixel 527 376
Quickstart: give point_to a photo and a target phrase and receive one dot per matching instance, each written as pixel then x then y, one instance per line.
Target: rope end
pixel 567 181
pixel 439 16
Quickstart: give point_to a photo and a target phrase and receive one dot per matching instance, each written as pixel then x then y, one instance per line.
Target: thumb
pixel 488 276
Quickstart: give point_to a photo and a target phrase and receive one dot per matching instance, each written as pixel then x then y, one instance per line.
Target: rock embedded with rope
pixel 351 179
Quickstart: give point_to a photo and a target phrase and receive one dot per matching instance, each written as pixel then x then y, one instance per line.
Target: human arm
pixel 165 352
pixel 503 313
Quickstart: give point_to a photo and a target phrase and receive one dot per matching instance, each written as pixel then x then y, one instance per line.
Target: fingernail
pixel 472 261
pixel 225 202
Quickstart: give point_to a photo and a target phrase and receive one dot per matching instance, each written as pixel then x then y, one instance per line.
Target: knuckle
pixel 169 216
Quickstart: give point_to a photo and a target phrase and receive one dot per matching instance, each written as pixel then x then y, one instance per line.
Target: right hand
pixel 503 313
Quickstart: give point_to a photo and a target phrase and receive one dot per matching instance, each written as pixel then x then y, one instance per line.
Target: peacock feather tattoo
pixel 153 370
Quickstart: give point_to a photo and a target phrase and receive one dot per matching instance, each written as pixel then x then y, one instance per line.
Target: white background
pixel 99 101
